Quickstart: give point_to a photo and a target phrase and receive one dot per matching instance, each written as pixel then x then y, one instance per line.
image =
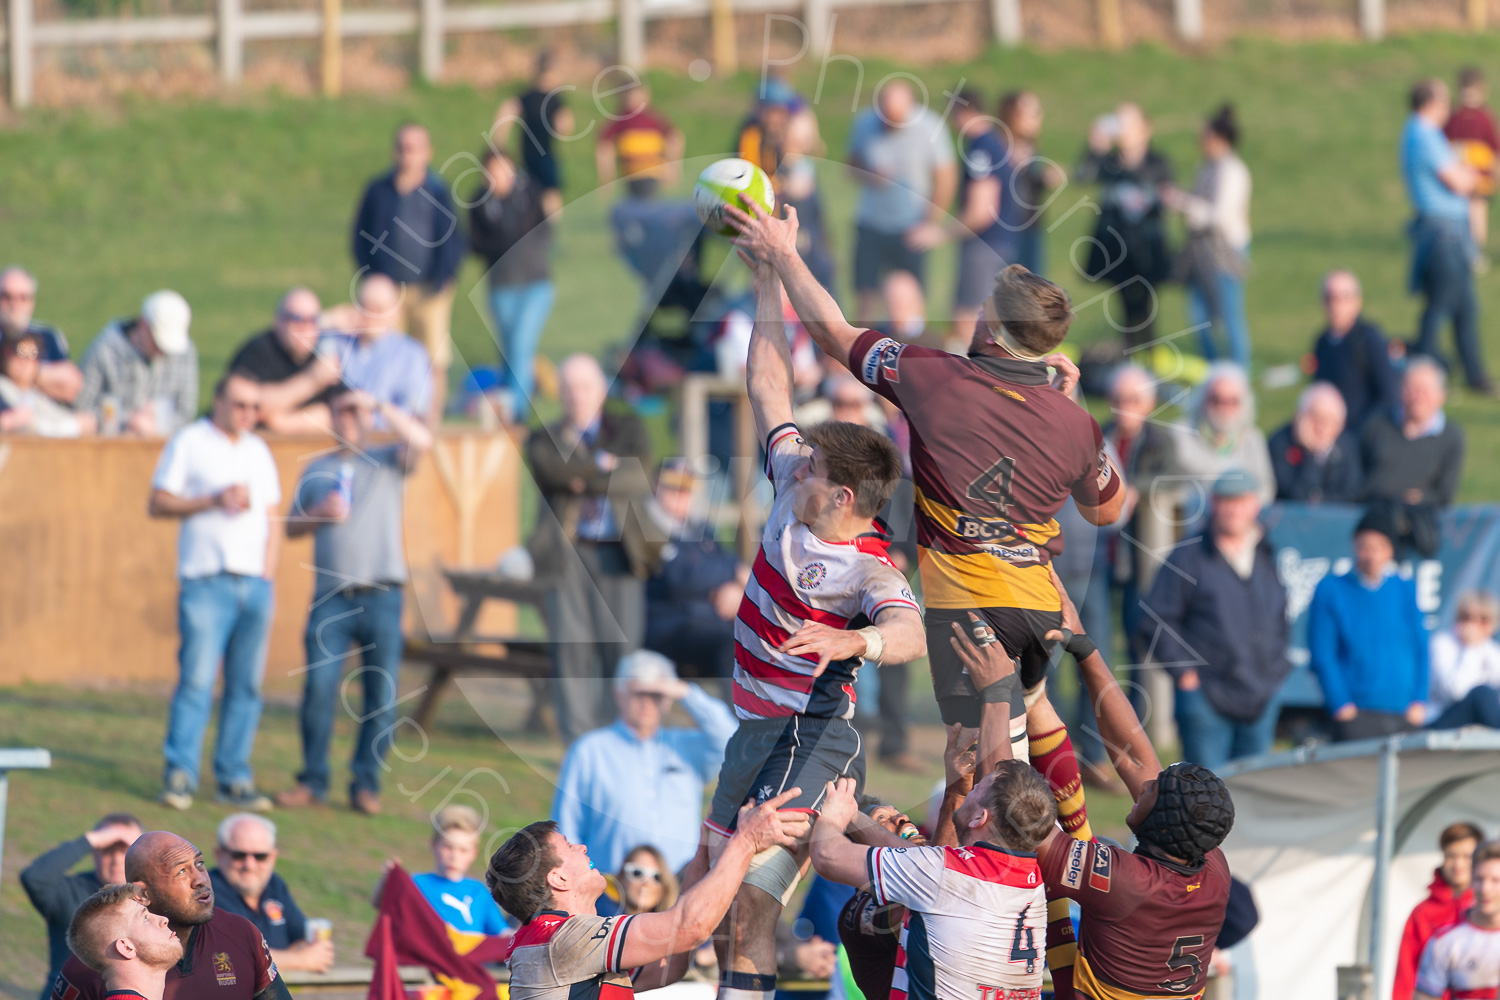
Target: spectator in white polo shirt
pixel 221 481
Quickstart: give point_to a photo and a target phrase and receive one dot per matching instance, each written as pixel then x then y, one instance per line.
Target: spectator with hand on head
pixel 1464 689
pixel 245 882
pixel 58 376
pixel 56 893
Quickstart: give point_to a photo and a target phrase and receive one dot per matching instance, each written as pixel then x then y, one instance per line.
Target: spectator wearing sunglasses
pixel 59 377
pixel 24 407
pixel 295 380
pixel 1464 685
pixel 246 883
pixel 647 885
pixel 219 479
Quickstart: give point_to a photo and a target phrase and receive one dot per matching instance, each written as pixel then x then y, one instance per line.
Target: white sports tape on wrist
pixel 1034 694
pixel 874 643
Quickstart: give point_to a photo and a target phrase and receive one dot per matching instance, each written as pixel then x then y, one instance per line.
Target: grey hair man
pixel 245 882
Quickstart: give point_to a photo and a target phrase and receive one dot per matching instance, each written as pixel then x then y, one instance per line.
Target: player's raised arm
pixel 774 240
pixel 993 674
pixel 1132 753
pixel 768 366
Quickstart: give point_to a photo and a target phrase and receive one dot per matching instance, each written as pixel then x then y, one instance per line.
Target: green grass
pixel 105 757
pixel 232 203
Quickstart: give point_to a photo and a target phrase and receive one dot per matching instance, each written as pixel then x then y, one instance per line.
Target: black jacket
pixel 56 894
pixel 1359 367
pixel 394 233
pixel 511 234
pixel 1300 476
pixel 1233 632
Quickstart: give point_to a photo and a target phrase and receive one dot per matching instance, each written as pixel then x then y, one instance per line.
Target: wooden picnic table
pixel 465 652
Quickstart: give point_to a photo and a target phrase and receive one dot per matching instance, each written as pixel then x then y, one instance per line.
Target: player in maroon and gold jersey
pixel 1149 918
pixel 996 451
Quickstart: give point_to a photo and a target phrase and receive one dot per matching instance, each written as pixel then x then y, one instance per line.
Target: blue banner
pixel 1313 541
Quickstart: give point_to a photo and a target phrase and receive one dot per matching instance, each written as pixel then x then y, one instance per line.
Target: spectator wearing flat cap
pixel 140 375
pixel 1217 623
pixel 1367 641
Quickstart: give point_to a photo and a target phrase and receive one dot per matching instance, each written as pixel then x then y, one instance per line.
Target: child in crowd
pixel 464 903
pixel 1471 129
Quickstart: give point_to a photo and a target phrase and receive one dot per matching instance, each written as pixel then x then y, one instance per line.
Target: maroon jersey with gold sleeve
pixel 995 452
pixel 1146 928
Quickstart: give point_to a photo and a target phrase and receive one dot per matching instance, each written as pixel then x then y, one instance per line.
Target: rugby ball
pixel 722 182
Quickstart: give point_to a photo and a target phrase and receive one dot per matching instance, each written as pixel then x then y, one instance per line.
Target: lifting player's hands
pixel 839 805
pixel 766 826
pixel 763 236
pixel 825 642
pixel 984 660
pixel 960 756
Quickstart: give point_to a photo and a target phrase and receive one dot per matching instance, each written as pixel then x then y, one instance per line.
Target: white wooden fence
pixel 432 20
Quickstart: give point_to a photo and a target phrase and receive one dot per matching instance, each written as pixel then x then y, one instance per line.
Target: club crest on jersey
pixel 811 576
pixel 1073 867
pixel 881 360
pixel 1099 874
pixel 273 911
pixel 766 792
pixel 223 968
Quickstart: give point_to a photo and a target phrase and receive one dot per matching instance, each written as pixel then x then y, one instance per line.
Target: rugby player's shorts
pixel 765 757
pixel 1020 630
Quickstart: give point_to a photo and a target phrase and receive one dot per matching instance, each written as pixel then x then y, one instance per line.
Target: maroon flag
pixel 416 935
pixel 386 983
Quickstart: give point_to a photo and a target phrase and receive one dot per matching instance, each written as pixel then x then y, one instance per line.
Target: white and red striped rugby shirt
pixel 1462 962
pixel 797 578
pixel 976 921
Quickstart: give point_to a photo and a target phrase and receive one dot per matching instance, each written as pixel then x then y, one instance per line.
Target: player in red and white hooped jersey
pixel 1463 961
pixel 976 910
pixel 823 600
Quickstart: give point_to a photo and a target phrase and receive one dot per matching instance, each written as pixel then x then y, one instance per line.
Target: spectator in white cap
pixel 637 781
pixel 140 375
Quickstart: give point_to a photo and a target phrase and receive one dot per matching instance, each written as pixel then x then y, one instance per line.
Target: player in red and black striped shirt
pixel 996 451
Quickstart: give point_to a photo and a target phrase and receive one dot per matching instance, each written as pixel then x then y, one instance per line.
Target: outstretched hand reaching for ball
pixel 762 235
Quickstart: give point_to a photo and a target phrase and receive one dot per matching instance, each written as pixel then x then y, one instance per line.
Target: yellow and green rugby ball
pixel 721 183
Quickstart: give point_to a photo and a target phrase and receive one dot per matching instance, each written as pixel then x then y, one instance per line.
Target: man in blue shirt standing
pixel 636 782
pixel 406 229
pixel 1443 252
pixel 1367 641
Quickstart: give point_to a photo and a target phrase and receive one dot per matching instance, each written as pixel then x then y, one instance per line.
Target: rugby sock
pixel 1062 948
pixel 1052 754
pixel 746 986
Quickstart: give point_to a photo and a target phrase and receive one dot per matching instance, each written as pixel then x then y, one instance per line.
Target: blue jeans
pixel 1446 273
pixel 370 620
pixel 1214 740
pixel 1480 707
pixel 1221 306
pixel 521 313
pixel 225 617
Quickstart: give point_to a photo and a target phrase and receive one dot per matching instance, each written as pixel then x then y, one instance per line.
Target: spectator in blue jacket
pixel 691 601
pixel 56 890
pixel 1216 621
pixel 1315 460
pixel 1367 642
pixel 407 230
pixel 637 782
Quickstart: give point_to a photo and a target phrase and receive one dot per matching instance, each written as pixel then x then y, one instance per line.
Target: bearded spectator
pixel 1315 460
pixel 1219 434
